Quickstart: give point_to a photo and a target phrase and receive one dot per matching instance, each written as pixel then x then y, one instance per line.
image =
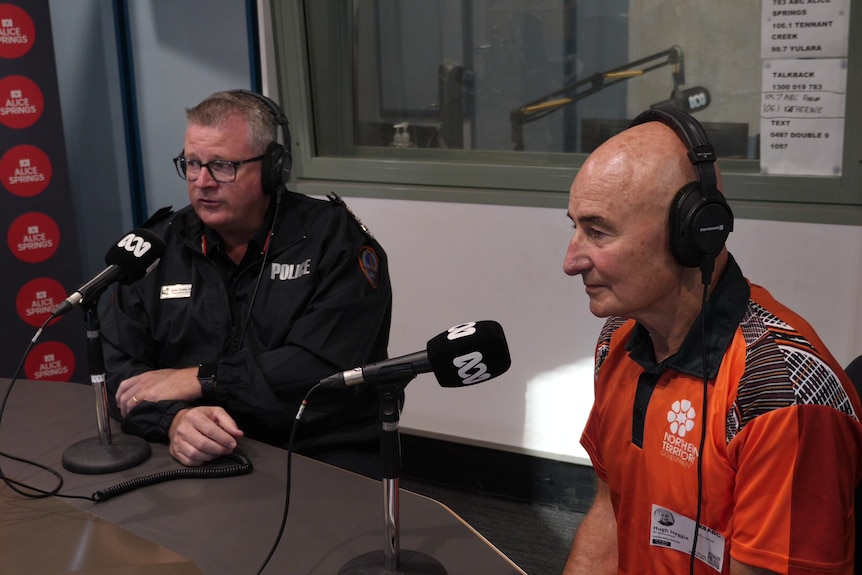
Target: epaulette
pixel 158 216
pixel 336 199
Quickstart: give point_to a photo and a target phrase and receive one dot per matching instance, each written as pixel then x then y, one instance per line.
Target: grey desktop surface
pixel 227 525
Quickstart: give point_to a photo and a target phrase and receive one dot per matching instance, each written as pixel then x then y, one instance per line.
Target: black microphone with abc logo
pixel 132 257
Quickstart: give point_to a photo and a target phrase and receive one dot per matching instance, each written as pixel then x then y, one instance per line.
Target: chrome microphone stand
pixel 392 559
pixel 102 454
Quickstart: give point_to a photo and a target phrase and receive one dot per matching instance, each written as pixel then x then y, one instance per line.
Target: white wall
pixel 458 262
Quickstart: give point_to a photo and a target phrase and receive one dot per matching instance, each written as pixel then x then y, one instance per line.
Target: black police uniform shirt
pixel 323 305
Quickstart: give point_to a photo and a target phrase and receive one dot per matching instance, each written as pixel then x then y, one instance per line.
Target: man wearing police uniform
pixel 260 294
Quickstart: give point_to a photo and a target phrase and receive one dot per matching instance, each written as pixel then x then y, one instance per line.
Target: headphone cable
pixel 707 267
pixel 265 252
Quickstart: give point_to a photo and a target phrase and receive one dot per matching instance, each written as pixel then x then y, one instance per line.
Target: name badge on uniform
pixel 675 531
pixel 176 291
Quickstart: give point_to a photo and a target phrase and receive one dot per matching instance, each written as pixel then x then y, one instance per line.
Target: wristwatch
pixel 207 379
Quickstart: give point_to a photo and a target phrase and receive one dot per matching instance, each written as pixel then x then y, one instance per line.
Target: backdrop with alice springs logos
pixel 41 263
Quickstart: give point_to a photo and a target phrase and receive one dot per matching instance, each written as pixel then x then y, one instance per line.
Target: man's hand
pixel 201 434
pixel 156 385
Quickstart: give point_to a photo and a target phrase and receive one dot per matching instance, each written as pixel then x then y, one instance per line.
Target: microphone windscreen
pixel 136 254
pixel 689 101
pixel 695 99
pixel 469 353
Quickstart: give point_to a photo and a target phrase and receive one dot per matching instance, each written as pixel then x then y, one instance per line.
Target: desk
pixel 222 526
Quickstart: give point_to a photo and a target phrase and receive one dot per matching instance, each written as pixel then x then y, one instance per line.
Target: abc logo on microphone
pixel 469 353
pixel 136 254
pixel 135 244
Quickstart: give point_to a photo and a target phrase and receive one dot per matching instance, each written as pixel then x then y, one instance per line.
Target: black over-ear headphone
pixel 277 161
pixel 700 219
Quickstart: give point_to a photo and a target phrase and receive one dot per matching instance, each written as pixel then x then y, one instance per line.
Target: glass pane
pixel 551 76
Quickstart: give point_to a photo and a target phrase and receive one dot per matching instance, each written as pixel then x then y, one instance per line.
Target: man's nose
pixel 576 260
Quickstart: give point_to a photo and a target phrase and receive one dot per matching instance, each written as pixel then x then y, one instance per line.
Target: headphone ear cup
pixel 698 225
pixel 681 245
pixel 275 168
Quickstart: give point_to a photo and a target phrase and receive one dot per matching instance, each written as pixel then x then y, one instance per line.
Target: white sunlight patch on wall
pixel 558 403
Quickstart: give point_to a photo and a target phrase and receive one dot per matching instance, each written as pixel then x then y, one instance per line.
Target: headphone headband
pixel 700 219
pixel 701 153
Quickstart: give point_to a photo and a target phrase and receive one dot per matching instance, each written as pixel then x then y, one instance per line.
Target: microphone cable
pixel 241 464
pixel 286 509
pixel 18 486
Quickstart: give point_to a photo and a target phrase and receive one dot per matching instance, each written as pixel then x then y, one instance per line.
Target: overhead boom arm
pixel 571 93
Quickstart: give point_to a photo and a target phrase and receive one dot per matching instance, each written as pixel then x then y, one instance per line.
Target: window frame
pixel 500 177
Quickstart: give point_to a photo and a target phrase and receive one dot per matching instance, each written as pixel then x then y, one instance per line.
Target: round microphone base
pixel 410 563
pixel 91 457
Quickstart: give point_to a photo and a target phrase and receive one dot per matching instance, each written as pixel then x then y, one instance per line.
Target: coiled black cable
pixel 243 466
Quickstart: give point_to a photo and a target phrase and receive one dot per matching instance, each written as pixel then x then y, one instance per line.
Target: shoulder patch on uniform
pixel 369 263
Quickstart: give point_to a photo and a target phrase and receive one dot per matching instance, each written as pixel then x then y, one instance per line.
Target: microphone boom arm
pixel 571 93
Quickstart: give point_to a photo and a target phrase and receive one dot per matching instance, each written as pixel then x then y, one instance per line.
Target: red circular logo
pixel 52 360
pixel 33 237
pixel 17 32
pixel 37 299
pixel 21 102
pixel 25 170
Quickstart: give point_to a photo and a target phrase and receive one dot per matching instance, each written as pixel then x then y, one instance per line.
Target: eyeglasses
pixel 222 171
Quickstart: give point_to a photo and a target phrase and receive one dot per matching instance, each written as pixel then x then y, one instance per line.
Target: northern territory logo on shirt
pixel 369 263
pixel 681 418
